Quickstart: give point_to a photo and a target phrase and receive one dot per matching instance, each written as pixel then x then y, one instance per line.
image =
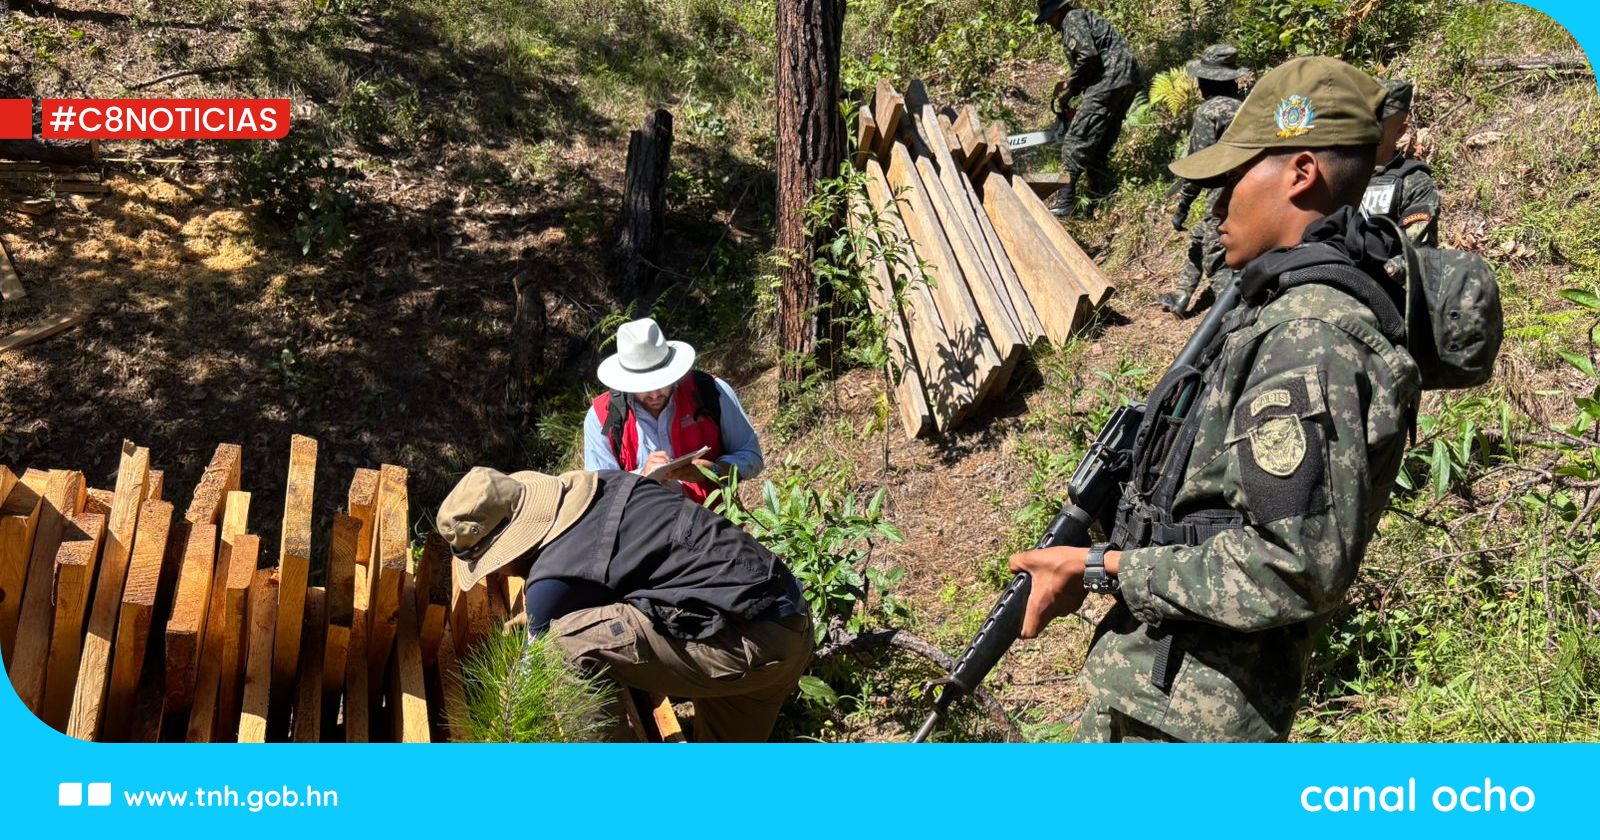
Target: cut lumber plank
pixel 363 505
pixel 94 667
pixel 433 595
pixel 294 562
pixel 340 602
pixel 10 284
pixel 409 689
pixel 391 551
pixel 469 614
pixel 246 554
pixel 911 403
pixel 74 573
pixel 999 151
pixel 35 206
pixel 308 694
pixel 190 607
pixel 947 132
pixel 98 501
pixel 499 607
pixel 220 478
pixel 888 108
pixel 969 342
pixel 949 394
pixel 19 516
pixel 452 687
pixel 155 486
pixel 133 620
pixel 668 727
pixel 970 135
pixel 38 332
pixel 1045 184
pixel 258 659
pixel 1061 304
pixel 203 720
pixel 866 136
pixel 1084 271
pixel 8 480
pixel 63 497
pixel 516 589
pixel 357 696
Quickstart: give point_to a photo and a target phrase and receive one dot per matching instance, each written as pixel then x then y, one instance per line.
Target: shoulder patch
pixel 1275 398
pixel 1278 444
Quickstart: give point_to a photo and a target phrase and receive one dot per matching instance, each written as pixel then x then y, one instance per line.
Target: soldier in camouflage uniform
pixel 1105 75
pixel 1217 72
pixel 1403 188
pixel 1259 474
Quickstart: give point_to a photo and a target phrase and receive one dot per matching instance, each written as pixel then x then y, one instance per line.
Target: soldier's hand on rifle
pixel 1057 584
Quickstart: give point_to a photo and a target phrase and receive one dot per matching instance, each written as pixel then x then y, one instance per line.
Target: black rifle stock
pixel 1092 496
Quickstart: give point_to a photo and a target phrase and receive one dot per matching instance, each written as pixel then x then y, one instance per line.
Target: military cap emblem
pixel 1296 116
pixel 1278 445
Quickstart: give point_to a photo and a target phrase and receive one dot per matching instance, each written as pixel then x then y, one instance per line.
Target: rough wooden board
pixel 340 601
pixel 1084 271
pixel 889 108
pixel 294 562
pixel 1062 305
pixel 154 487
pixel 999 152
pixel 949 395
pixel 10 284
pixel 516 589
pixel 64 494
pixel 38 332
pixel 469 614
pixel 968 345
pixel 499 607
pixel 19 516
pixel 391 552
pixel 433 595
pixel 668 727
pixel 8 479
pixel 363 505
pixel 35 206
pixel 409 687
pixel 98 501
pixel 94 667
pixel 133 619
pixel 261 623
pixel 357 697
pixel 308 694
pixel 452 687
pixel 1045 184
pixel 970 135
pixel 190 607
pixel 203 715
pixel 75 562
pixel 220 478
pixel 911 402
pixel 236 634
pixel 867 136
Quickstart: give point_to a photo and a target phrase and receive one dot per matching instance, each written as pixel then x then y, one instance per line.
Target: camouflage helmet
pixel 1219 63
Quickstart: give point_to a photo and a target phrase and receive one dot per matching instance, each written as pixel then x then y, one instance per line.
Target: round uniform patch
pixel 1278 445
pixel 1296 116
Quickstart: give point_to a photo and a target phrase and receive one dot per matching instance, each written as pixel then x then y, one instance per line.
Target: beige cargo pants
pixel 738 678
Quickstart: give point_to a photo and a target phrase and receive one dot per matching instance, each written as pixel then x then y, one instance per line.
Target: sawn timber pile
pixel 123 618
pixel 1001 272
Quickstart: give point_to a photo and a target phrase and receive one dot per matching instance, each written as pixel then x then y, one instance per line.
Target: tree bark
pixel 644 208
pixel 810 146
pixel 528 325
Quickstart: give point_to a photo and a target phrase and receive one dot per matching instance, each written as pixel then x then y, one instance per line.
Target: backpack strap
pixel 707 397
pixel 616 416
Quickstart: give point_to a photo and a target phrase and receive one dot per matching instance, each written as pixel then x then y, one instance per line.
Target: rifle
pixel 1092 496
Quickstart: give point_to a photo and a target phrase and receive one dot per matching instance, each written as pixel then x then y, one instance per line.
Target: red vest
pixel 690 429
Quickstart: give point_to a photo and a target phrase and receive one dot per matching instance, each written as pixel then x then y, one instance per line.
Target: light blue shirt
pixel 740 445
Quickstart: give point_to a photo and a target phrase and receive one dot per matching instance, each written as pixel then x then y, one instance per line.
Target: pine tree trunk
pixel 644 207
pixel 810 146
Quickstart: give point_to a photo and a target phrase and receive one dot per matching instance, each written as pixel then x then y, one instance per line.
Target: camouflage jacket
pixel 1404 190
pixel 1210 119
pixel 1100 57
pixel 1302 433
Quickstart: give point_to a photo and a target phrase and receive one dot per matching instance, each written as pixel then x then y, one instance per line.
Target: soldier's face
pixel 1247 207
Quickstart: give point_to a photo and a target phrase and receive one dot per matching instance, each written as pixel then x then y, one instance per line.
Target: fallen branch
pixel 840 642
pixel 1560 63
pixel 198 71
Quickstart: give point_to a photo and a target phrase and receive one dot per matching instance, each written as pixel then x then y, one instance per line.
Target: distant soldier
pixel 1402 187
pixel 1217 72
pixel 1107 77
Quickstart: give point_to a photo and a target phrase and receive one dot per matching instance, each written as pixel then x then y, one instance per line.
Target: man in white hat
pixel 658 407
pixel 636 581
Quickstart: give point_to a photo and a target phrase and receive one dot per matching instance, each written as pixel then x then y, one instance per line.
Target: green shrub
pixel 522 691
pixel 299 186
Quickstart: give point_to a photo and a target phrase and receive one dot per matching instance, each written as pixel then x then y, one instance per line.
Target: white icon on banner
pixel 70 794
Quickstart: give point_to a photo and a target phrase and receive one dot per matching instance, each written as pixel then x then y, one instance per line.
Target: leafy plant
pixel 300 186
pixel 524 691
pixel 1175 93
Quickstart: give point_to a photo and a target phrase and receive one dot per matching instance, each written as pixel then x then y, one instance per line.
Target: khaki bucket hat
pixel 490 519
pixel 1307 103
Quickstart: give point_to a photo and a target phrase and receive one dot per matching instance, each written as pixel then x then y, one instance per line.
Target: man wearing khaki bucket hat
pixel 657 407
pixel 636 580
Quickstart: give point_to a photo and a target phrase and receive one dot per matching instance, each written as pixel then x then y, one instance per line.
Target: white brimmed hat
pixel 645 360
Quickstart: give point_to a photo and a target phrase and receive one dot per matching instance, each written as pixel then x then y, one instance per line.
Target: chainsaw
pixel 1064 115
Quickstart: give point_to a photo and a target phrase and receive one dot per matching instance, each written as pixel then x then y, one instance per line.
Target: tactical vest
pixel 696 422
pixel 1385 195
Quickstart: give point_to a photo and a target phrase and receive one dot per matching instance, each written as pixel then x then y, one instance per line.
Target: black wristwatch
pixel 1095 577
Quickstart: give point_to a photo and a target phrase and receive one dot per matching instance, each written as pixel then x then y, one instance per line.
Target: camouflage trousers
pixel 1207 259
pixel 1086 145
pixel 1104 725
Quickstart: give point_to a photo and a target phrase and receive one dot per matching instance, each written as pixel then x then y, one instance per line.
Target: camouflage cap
pixel 1397 100
pixel 1219 63
pixel 1049 8
pixel 1307 103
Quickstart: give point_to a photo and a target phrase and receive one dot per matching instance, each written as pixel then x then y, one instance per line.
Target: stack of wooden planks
pixel 1002 274
pixel 126 618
